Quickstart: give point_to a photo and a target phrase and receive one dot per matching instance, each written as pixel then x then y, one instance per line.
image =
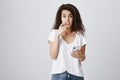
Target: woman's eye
pixel 71 16
pixel 64 16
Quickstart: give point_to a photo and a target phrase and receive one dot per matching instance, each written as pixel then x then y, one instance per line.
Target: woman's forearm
pixel 82 57
pixel 54 48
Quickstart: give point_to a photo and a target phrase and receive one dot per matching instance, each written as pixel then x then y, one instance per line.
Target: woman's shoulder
pixel 52 34
pixel 53 31
pixel 80 34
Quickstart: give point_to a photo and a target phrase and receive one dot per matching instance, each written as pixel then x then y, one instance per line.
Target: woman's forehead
pixel 66 12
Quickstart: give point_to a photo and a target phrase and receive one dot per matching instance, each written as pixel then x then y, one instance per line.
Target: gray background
pixel 25 26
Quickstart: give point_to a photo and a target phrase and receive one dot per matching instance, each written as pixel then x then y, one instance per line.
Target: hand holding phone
pixel 75 48
pixel 75 51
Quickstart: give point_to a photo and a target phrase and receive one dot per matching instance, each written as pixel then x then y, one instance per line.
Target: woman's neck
pixel 68 32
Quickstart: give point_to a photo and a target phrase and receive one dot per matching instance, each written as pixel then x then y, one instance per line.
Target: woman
pixel 67 44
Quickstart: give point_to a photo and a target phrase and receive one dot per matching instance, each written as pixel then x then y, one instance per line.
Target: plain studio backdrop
pixel 24 30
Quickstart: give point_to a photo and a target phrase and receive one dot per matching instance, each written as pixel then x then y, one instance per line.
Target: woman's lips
pixel 67 23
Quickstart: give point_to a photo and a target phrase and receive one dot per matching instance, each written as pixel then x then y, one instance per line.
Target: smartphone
pixel 75 48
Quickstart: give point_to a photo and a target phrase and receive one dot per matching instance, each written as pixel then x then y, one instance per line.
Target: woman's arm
pixel 81 53
pixel 54 48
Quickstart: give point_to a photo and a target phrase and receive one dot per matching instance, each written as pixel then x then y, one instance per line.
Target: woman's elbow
pixel 53 56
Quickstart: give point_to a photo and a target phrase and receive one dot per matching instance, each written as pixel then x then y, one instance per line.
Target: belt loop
pixel 68 75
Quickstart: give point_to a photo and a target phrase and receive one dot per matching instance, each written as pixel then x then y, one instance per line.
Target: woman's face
pixel 67 18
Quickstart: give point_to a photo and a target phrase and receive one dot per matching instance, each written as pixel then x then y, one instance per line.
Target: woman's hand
pixel 78 54
pixel 61 29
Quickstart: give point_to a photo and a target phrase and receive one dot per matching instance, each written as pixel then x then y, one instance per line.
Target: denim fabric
pixel 66 76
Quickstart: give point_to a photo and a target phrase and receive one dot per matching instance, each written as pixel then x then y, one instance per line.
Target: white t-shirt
pixel 64 61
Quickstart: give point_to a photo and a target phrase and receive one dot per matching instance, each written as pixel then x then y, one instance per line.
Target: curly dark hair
pixel 77 21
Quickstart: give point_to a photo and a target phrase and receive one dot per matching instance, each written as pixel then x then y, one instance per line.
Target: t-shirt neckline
pixel 70 42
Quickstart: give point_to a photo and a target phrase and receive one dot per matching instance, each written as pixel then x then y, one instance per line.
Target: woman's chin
pixel 68 28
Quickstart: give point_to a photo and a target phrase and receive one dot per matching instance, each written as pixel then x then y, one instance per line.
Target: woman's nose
pixel 67 18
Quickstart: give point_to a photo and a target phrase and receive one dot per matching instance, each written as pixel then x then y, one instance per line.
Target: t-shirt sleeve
pixel 52 35
pixel 84 40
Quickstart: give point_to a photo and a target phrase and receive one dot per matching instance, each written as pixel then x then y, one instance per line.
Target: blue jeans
pixel 66 76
